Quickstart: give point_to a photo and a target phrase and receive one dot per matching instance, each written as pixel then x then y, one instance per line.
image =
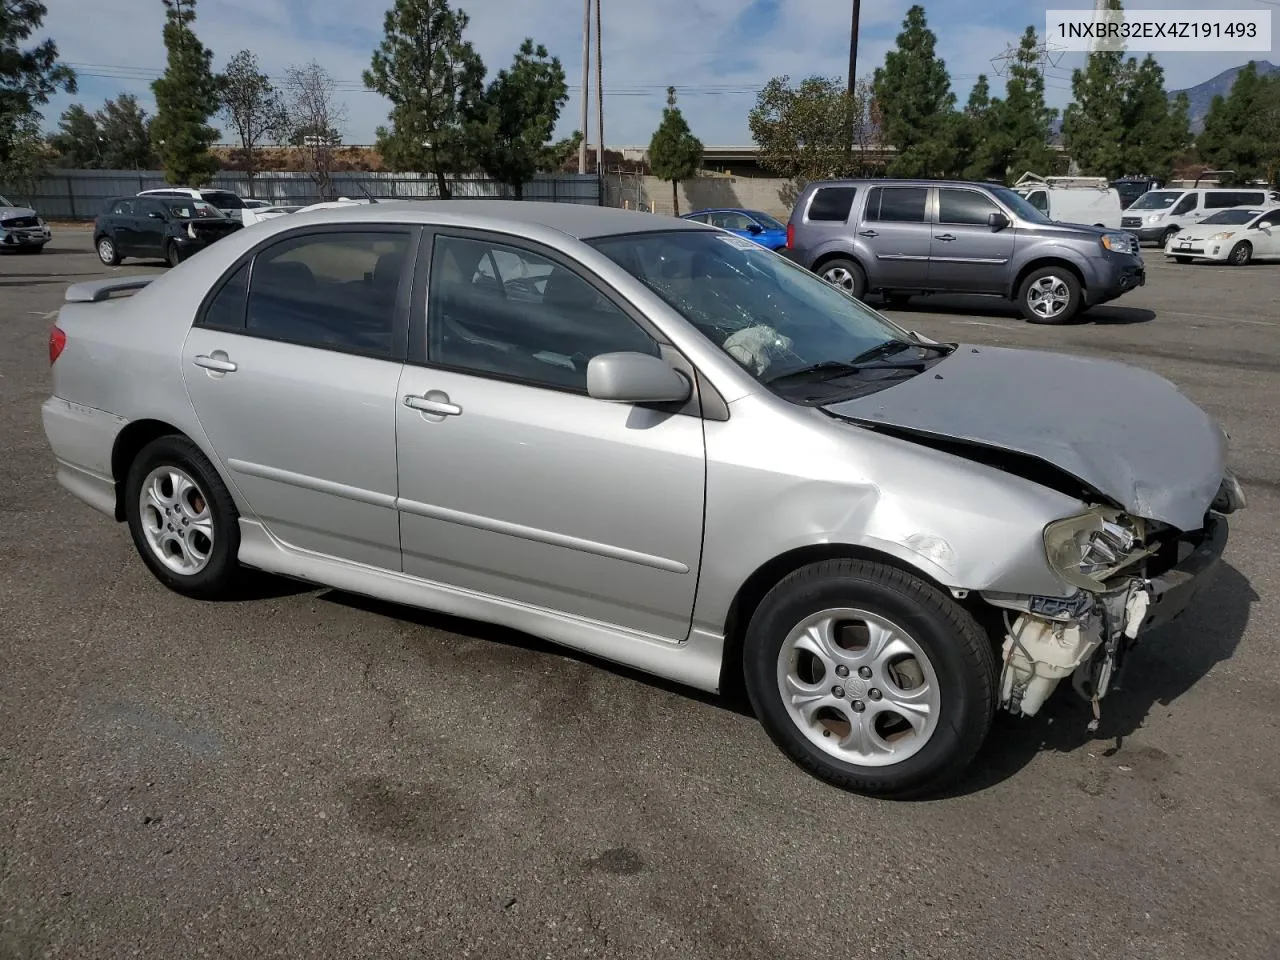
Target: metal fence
pixel 80 194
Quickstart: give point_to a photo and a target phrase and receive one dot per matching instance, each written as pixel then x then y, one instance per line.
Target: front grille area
pixel 1130 223
pixel 17 223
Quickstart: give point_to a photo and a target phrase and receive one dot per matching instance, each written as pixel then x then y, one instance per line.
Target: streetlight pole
pixel 853 74
pixel 586 84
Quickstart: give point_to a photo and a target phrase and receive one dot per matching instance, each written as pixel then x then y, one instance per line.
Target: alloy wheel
pixel 1049 297
pixel 176 520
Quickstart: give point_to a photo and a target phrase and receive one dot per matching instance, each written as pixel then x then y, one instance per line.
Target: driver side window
pixel 500 311
pixel 1185 205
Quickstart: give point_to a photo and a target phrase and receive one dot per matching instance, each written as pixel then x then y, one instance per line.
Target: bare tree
pixel 252 105
pixel 314 120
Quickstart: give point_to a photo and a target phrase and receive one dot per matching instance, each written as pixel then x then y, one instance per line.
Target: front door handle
pixel 868 233
pixel 214 363
pixel 441 408
pixel 945 236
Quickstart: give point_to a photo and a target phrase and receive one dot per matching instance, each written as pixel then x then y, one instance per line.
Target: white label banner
pixel 1154 31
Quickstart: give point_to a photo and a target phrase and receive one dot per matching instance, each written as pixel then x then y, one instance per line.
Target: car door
pixel 895 228
pixel 513 481
pixel 121 221
pixel 149 227
pixel 966 253
pixel 1265 236
pixel 292 371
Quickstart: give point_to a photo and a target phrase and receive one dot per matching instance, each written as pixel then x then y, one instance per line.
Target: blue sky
pixel 717 53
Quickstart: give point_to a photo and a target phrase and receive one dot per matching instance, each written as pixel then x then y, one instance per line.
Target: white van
pixel 1158 214
pixel 1088 200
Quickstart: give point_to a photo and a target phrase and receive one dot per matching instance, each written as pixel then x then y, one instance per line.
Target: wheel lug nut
pixel 842 671
pixel 875 694
pixel 858 706
pixel 837 692
pixel 864 673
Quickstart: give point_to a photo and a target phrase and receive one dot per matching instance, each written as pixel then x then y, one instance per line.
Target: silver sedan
pixel 653 441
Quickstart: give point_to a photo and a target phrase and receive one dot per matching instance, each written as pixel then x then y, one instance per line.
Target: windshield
pixel 771 316
pixel 766 221
pixel 1232 216
pixel 1156 200
pixel 1020 205
pixel 193 210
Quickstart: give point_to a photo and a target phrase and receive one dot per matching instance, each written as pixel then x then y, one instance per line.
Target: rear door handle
pixel 945 236
pixel 868 233
pixel 214 363
pixel 442 408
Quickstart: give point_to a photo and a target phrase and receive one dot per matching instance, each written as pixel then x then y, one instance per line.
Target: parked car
pixel 1132 187
pixel 1158 214
pixel 1237 236
pixel 674 450
pixel 247 210
pixel 1073 199
pixel 904 237
pixel 22 229
pixel 157 226
pixel 754 225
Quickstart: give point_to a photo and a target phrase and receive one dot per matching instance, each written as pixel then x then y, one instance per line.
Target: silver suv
pixel 903 237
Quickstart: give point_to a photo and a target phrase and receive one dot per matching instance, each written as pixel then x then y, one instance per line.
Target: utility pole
pixel 599 95
pixel 586 84
pixel 851 133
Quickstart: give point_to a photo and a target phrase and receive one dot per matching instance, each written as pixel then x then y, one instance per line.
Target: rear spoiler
pixel 92 291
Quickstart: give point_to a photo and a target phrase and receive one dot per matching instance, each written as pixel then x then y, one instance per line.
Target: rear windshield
pixel 766 221
pixel 193 210
pixel 223 198
pixel 1156 200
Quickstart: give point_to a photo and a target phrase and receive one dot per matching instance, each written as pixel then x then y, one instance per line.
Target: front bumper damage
pixel 1087 636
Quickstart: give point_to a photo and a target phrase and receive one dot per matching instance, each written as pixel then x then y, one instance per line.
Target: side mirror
pixel 755 228
pixel 997 221
pixel 627 377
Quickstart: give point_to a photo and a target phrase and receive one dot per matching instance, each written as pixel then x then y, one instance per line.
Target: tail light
pixel 57 341
pixel 791 236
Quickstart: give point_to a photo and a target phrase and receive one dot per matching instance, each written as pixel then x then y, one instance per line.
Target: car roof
pixel 903 182
pixel 579 220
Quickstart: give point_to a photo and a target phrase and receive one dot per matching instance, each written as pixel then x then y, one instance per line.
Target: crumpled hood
pixel 13 213
pixel 1120 430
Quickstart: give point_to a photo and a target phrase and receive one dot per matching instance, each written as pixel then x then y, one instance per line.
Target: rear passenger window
pixel 970 207
pixel 123 208
pixel 898 204
pixel 226 309
pixel 331 290
pixel 832 204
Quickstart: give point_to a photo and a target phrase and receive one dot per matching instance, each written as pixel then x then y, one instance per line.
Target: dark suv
pixel 152 227
pixel 899 238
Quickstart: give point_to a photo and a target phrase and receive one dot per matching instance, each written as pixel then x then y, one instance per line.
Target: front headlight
pixel 1223 236
pixel 1155 218
pixel 1115 242
pixel 1089 549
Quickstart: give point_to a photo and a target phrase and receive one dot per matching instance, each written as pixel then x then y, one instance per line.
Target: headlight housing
pixel 1155 217
pixel 1223 235
pixel 1089 549
pixel 1115 242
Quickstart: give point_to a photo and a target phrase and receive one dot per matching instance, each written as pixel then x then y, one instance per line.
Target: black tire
pixel 845 274
pixel 221 572
pixel 1167 236
pixel 1241 254
pixel 172 255
pixel 107 250
pixel 1182 259
pixel 958 651
pixel 1058 279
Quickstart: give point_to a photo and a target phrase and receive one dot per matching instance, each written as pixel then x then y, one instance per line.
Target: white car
pixel 1236 236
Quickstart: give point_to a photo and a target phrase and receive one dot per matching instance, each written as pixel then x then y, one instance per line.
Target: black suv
pixel 168 227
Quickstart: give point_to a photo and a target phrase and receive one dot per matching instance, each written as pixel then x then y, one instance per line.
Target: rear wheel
pixel 869 678
pixel 172 254
pixel 1240 254
pixel 845 274
pixel 1050 295
pixel 107 251
pixel 182 519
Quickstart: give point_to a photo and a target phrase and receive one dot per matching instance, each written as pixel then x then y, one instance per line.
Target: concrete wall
pixel 752 193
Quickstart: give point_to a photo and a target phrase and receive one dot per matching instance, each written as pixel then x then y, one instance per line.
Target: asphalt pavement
pixel 304 773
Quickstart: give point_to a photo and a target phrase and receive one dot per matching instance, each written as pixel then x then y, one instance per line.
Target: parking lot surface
pixel 304 773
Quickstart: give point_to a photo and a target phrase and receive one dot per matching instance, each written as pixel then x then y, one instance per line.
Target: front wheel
pixel 182 519
pixel 1050 295
pixel 1167 236
pixel 869 678
pixel 845 274
pixel 1240 254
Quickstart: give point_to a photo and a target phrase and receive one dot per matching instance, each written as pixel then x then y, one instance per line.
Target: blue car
pixel 751 224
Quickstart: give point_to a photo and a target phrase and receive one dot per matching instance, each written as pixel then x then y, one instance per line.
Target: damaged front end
pixel 1130 576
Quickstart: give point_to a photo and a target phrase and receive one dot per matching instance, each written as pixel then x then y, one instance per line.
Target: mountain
pixel 1202 94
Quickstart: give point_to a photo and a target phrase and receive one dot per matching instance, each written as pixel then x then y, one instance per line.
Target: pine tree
pixel 77 139
pixel 1233 139
pixel 434 80
pixel 1093 127
pixel 914 98
pixel 971 158
pixel 187 95
pixel 674 152
pixel 28 76
pixel 1154 129
pixel 125 131
pixel 1021 122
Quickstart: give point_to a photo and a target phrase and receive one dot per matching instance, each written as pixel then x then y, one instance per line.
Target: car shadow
pixel 1159 670
pixel 1107 314
pixel 516 639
